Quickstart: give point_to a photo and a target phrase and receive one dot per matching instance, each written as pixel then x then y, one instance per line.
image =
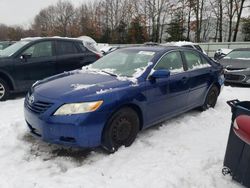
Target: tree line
pixel 129 21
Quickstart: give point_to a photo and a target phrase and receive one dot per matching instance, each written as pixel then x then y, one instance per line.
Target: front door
pixel 167 97
pixel 35 63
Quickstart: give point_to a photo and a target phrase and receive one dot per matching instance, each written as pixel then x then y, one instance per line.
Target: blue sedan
pixel 107 103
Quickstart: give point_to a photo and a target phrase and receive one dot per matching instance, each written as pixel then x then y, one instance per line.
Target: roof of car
pixel 179 43
pixel 55 37
pixel 152 48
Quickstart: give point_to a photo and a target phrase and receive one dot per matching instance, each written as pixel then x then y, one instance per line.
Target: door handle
pixel 184 79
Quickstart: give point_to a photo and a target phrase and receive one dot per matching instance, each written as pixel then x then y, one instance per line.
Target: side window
pixel 41 49
pixel 66 47
pixel 194 61
pixel 205 62
pixel 171 61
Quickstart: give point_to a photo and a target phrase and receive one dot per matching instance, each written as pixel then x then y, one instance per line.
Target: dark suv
pixel 32 59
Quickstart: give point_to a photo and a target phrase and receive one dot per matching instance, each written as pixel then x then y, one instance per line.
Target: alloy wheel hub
pixel 2 91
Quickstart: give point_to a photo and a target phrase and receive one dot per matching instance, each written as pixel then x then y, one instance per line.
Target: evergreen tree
pixel 137 32
pixel 246 28
pixel 175 29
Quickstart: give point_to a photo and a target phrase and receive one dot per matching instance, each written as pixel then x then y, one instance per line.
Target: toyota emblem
pixel 31 99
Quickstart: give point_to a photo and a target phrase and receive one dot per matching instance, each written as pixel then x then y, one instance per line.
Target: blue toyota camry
pixel 107 103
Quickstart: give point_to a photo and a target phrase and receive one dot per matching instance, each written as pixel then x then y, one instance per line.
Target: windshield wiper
pixel 109 73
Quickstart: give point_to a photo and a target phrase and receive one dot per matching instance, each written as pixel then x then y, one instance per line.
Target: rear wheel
pixel 121 129
pixel 4 90
pixel 211 98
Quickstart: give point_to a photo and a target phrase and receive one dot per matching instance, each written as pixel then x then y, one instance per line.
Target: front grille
pixel 38 107
pixel 234 77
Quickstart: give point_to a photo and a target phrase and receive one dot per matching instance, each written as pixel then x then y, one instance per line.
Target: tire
pixel 121 129
pixel 211 98
pixel 4 90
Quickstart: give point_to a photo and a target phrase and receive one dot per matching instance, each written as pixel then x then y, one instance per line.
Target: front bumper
pixel 237 77
pixel 82 130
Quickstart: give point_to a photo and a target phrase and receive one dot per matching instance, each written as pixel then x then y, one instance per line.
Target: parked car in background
pixel 220 53
pixel 237 66
pixel 120 94
pixel 5 44
pixel 32 59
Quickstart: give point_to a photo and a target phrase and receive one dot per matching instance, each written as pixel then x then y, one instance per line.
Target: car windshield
pixel 124 62
pixel 7 52
pixel 239 54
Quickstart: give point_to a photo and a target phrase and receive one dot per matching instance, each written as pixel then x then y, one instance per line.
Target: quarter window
pixel 171 61
pixel 41 49
pixel 194 61
pixel 66 47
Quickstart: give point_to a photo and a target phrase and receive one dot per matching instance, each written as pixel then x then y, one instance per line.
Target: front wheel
pixel 4 90
pixel 211 98
pixel 121 129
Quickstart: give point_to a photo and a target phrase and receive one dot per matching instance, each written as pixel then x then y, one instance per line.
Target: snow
pixel 104 91
pixel 186 151
pixel 81 86
pixel 199 66
pixel 224 51
pixel 243 58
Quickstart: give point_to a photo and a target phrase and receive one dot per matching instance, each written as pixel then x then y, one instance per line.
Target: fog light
pixel 248 81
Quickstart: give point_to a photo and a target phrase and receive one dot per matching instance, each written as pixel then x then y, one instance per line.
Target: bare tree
pixel 44 22
pixel 3 32
pixel 239 8
pixel 64 16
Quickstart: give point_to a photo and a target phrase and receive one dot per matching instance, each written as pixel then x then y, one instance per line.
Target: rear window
pixel 66 47
pixel 194 61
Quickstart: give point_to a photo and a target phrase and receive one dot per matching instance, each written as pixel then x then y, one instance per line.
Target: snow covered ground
pixel 187 151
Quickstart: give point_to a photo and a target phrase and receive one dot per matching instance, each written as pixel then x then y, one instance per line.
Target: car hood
pixel 76 85
pixel 235 63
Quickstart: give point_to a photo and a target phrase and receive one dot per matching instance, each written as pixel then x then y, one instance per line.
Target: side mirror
pixel 25 57
pixel 163 73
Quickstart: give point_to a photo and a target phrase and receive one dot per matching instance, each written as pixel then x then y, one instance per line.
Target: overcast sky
pixel 22 12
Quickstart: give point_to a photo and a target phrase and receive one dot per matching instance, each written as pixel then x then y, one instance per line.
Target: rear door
pixel 69 56
pixel 200 77
pixel 35 63
pixel 167 96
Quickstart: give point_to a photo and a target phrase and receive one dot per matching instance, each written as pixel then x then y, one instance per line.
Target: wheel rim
pixel 121 131
pixel 2 91
pixel 212 98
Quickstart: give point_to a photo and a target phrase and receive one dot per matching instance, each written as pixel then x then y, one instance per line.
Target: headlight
pixel 78 108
